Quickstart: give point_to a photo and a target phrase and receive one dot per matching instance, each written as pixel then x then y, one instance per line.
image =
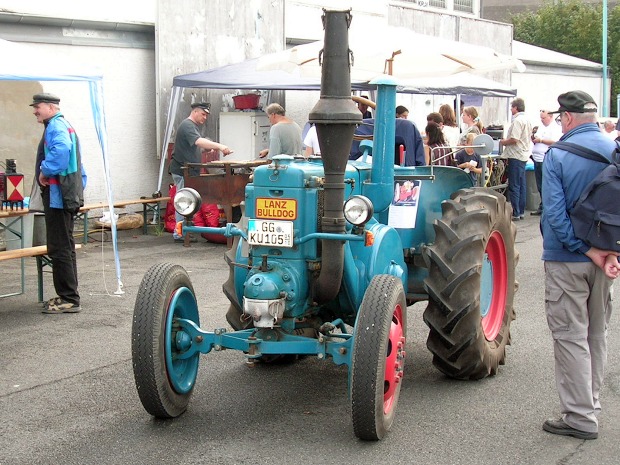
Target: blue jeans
pixel 179 182
pixel 538 170
pixel 516 186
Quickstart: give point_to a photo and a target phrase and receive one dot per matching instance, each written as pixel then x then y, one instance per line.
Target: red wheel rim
pixel 496 275
pixel 395 360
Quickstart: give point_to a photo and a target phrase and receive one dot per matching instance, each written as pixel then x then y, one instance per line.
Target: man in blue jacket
pixel 577 290
pixel 62 179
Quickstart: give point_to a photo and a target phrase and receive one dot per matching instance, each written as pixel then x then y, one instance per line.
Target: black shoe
pixel 536 213
pixel 561 428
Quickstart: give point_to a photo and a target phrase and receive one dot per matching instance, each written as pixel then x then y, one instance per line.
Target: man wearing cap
pixel 62 179
pixel 517 149
pixel 187 146
pixel 577 289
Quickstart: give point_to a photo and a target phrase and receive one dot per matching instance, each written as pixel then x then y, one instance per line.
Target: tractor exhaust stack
pixel 335 116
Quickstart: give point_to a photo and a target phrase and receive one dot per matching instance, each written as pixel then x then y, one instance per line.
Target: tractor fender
pixel 364 262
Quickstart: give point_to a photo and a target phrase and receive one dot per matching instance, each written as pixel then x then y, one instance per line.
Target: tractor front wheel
pixel 378 358
pixel 164 378
pixel 471 284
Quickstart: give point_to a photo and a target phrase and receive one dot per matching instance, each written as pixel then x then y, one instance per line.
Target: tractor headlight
pixel 187 201
pixel 358 210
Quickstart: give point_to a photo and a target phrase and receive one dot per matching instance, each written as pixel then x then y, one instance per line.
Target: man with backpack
pixel 577 278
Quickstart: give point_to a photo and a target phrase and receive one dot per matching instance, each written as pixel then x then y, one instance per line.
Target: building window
pixel 437 3
pixel 462 6
pixel 466 6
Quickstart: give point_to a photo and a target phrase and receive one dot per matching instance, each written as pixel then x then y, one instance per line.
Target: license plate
pixel 270 233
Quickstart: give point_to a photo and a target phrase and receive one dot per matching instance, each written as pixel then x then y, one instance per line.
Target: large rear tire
pixel 164 381
pixel 378 357
pixel 471 284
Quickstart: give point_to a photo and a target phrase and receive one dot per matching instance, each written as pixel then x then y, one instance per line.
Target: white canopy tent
pixel 252 74
pixel 24 63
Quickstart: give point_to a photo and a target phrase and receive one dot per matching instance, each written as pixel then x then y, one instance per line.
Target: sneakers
pixel 536 213
pixel 561 428
pixel 516 218
pixel 57 305
pixel 181 240
pixel 52 301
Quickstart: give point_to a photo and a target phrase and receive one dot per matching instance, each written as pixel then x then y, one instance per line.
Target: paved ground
pixel 67 392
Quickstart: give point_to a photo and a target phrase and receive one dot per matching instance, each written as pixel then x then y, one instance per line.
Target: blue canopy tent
pixel 24 63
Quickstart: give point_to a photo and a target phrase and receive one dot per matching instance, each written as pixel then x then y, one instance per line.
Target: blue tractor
pixel 326 259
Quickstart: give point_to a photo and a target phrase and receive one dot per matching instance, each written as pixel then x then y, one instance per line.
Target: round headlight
pixel 358 210
pixel 187 201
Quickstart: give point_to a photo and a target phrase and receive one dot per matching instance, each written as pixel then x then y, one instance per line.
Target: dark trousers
pixel 61 249
pixel 516 186
pixel 538 167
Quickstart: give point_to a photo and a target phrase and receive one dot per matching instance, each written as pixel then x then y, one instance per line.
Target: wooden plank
pixel 124 203
pixel 7 213
pixel 27 252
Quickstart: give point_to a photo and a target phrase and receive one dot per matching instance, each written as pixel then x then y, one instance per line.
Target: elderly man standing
pixel 187 145
pixel 517 149
pixel 62 180
pixel 545 135
pixel 577 285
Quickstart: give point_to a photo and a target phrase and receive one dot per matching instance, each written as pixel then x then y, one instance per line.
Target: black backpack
pixel 596 215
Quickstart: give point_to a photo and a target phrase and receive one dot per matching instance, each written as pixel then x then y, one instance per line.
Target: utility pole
pixel 605 96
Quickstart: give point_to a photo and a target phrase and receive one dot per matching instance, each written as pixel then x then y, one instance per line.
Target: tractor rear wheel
pixel 378 357
pixel 471 284
pixel 164 380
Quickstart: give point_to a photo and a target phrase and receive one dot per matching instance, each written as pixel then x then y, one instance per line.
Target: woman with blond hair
pixel 472 122
pixel 450 129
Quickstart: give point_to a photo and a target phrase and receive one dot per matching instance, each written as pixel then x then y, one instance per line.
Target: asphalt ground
pixel 67 392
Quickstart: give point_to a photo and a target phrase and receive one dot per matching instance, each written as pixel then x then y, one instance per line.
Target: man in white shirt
pixel 517 149
pixel 545 135
pixel 609 129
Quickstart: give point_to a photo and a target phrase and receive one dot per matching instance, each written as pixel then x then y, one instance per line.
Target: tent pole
pixel 96 101
pixel 172 111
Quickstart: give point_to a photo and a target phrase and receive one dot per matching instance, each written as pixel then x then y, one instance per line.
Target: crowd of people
pixel 443 142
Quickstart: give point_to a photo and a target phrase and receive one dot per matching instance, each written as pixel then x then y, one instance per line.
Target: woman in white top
pixel 450 129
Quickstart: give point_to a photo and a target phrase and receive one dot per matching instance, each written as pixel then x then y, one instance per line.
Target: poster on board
pixel 403 210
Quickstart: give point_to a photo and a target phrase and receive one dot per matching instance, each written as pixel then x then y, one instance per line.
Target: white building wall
pixel 541 90
pixel 128 84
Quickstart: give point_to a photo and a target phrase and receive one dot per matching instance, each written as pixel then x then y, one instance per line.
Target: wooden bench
pixel 150 204
pixel 43 260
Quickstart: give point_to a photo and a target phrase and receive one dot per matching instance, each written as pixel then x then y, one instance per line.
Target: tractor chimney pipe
pixel 335 116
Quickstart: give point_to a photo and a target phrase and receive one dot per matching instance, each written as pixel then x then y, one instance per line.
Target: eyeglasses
pixel 558 119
